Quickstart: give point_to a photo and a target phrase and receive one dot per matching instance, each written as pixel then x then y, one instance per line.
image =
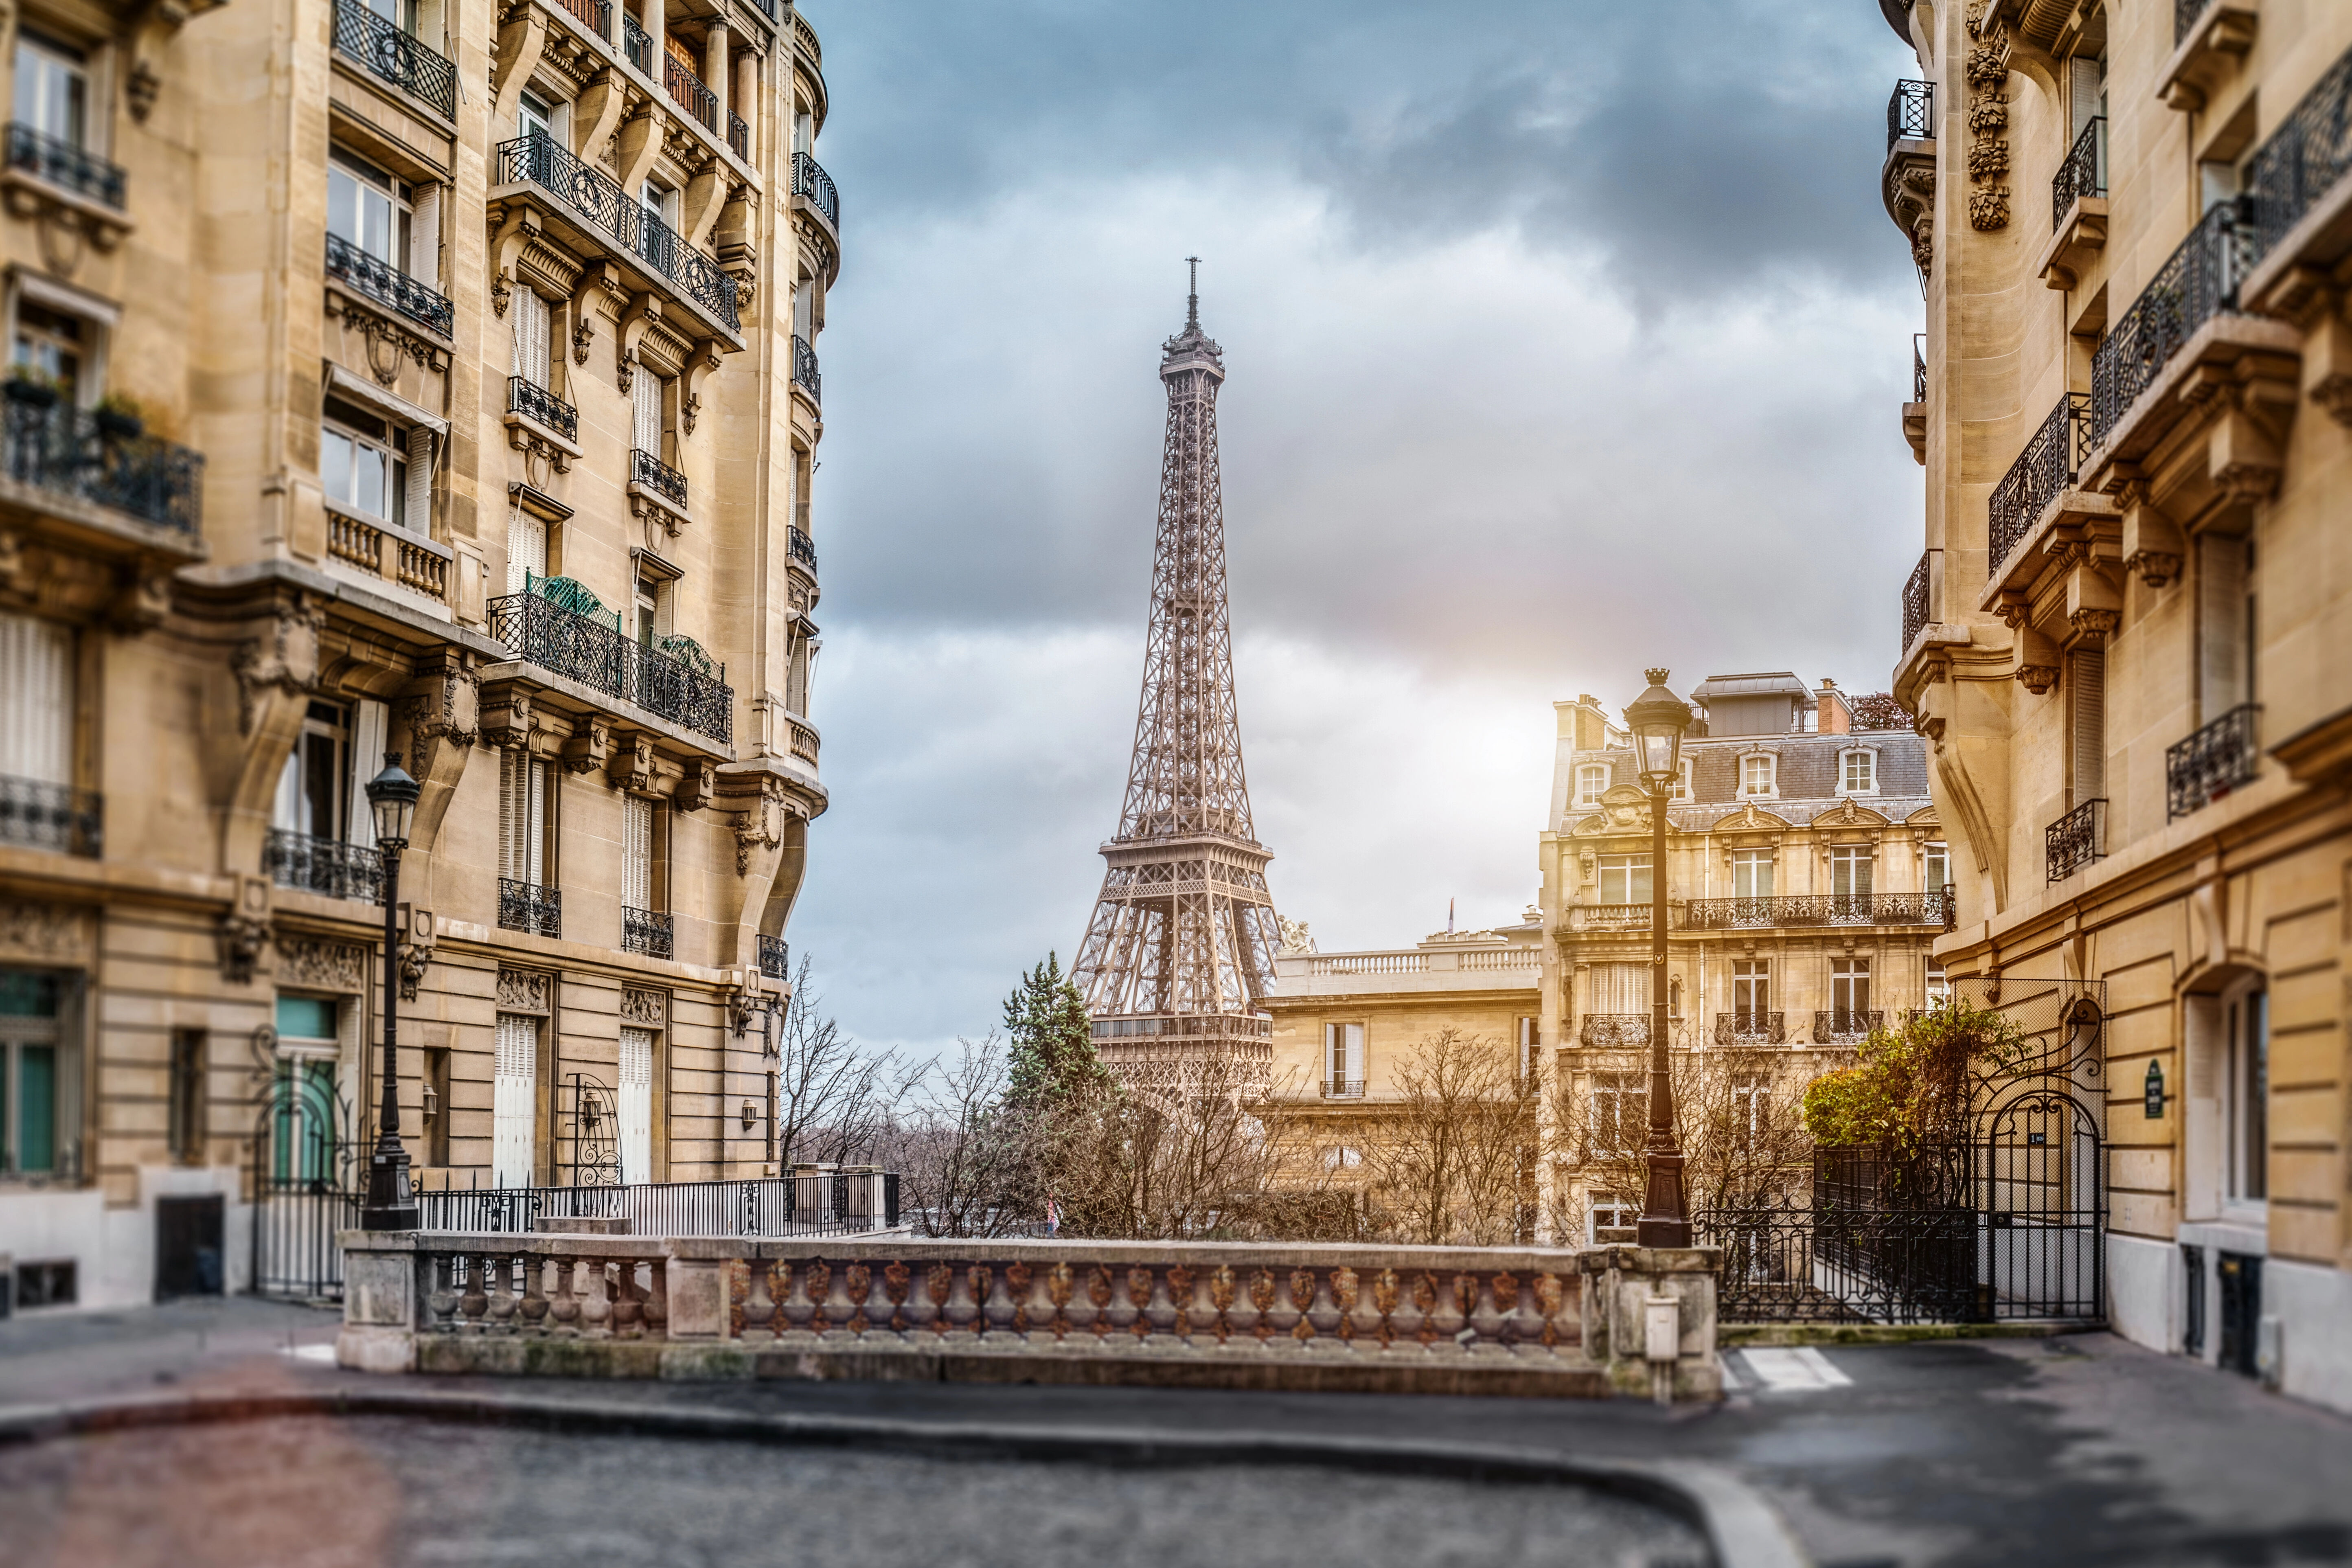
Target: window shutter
pixel 285 813
pixel 530 313
pixel 646 389
pixel 636 1105
pixel 368 735
pixel 534 833
pixel 36 700
pixel 2087 681
pixel 514 1100
pixel 1354 1073
pixel 636 852
pixel 2221 625
pixel 418 503
pixel 526 549
pixel 425 238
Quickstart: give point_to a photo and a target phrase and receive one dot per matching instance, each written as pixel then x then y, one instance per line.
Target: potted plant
pixel 29 386
pixel 118 418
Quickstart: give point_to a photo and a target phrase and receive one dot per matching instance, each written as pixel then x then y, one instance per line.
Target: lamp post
pixel 1658 719
pixel 391 1201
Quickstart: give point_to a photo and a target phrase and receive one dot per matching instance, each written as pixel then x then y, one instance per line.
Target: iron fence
pixel 2075 840
pixel 2212 763
pixel 2305 158
pixel 819 1202
pixel 775 957
pixel 674 681
pixel 809 180
pixel 396 57
pixel 1842 1024
pixel 2051 461
pixel 592 196
pixel 739 136
pixel 532 401
pixel 804 371
pixel 2085 171
pixel 323 866
pixel 2196 283
pixel 1911 112
pixel 1915 603
pixel 657 477
pixel 62 163
pixel 1918 367
pixel 96 456
pixel 1819 910
pixel 804 548
pixel 1751 1029
pixel 689 91
pixel 529 907
pixel 596 15
pixel 1617 1031
pixel 636 44
pixel 645 931
pixel 387 285
pixel 1343 1089
pixel 51 816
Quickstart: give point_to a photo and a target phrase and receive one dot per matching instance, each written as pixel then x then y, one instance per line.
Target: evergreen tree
pixel 1053 1048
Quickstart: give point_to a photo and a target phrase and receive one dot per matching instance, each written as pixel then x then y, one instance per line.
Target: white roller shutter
pixel 416 506
pixel 367 727
pixel 2086 679
pixel 514 1100
pixel 37 688
pixel 646 390
pixel 522 817
pixel 425 238
pixel 636 852
pixel 2221 625
pixel 526 549
pixel 637 1107
pixel 528 318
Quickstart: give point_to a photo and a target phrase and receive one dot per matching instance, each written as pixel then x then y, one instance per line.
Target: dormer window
pixel 1591 780
pixel 1758 775
pixel 1858 773
pixel 1683 781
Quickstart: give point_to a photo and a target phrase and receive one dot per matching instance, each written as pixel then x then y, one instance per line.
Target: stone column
pixel 747 98
pixel 1620 1282
pixel 714 71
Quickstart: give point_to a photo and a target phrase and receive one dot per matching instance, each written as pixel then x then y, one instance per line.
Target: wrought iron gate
pixel 305 1184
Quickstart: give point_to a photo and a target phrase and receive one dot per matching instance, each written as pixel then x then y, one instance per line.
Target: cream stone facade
pixel 437 378
pixel 2129 641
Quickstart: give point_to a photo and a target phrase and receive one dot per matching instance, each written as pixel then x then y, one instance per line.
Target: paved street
pixel 2077 1450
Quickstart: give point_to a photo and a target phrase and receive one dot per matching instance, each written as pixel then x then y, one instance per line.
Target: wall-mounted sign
pixel 2154 1091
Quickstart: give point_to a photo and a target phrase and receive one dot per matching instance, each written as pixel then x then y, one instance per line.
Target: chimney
pixel 1592 723
pixel 1835 717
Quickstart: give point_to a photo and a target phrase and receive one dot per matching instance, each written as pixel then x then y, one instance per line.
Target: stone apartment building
pixel 407 376
pixel 2129 639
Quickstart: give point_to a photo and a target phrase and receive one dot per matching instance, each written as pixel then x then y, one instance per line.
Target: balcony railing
pixel 387 285
pixel 323 866
pixel 687 91
pixel 636 44
pixel 1840 1024
pixel 1918 367
pixel 596 15
pixel 2051 461
pixel 2198 282
pixel 97 456
pixel 775 957
pixel 591 194
pixel 2085 171
pixel 645 931
pixel 2212 763
pixel 51 816
pixel 1608 1031
pixel 804 548
pixel 560 626
pixel 2305 157
pixel 1819 910
pixel 739 136
pixel 809 180
pixel 396 57
pixel 1915 603
pixel 2184 17
pixel 534 402
pixel 1611 917
pixel 529 907
pixel 63 163
pixel 1751 1029
pixel 2076 839
pixel 1911 113
pixel 657 477
pixel 804 372
pixel 1343 1089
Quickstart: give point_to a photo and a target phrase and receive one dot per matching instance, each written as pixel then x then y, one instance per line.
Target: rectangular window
pixel 1939 984
pixel 1849 870
pixel 1592 779
pixel 1858 773
pixel 36 1113
pixel 1751 1101
pixel 369 210
pixel 514 1101
pixel 436 1110
pixel 1751 873
pixel 1343 1058
pixel 646 410
pixel 1751 988
pixel 188 1099
pixel 1940 866
pixel 636 852
pixel 1531 1038
pixel 1755 775
pixel 1681 790
pixel 522 817
pixel 536 117
pixel 2247 1115
pixel 52 89
pixel 363 463
pixel 1623 878
pixel 636 1110
pixel 54 347
pixel 1621 1112
pixel 308 1024
pixel 2225 624
pixel 2086 718
pixel 36 701
pixel 305 1119
pixel 314 788
pixel 526 549
pixel 1849 990
pixel 526 319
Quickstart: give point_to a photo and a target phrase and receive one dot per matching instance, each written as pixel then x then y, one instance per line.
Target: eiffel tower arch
pixel 1180 952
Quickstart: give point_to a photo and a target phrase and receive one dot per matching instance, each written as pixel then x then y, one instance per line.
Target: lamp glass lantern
pixel 1658 720
pixel 392 798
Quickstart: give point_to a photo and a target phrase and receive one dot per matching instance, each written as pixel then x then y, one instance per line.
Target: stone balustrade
pixel 1371 1318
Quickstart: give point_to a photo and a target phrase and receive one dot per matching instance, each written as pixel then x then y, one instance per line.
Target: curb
pixel 1740 1526
pixel 1732 1336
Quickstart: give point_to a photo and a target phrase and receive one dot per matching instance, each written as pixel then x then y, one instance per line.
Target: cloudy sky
pixel 1562 337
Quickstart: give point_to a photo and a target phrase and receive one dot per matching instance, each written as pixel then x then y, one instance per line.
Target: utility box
pixel 1661 1321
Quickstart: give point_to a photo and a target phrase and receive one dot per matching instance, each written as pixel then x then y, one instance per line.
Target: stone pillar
pixel 380 1297
pixel 1620 1282
pixel 747 99
pixel 714 71
pixel 655 19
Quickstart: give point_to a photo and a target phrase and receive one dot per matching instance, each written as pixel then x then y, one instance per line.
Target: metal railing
pixel 2075 840
pixel 804 371
pixel 538 159
pixel 804 548
pixel 604 659
pixel 775 957
pixel 1843 1023
pixel 1343 1089
pixel 818 1203
pixel 2305 158
pixel 645 931
pixel 529 907
pixel 51 816
pixel 596 15
pixel 636 44
pixel 809 180
pixel 1607 1031
pixel 323 866
pixel 396 57
pixel 658 476
pixel 1932 909
pixel 1911 112
pixel 2198 282
pixel 99 457
pixel 2212 763
pixel 1751 1029
pixel 739 136
pixel 1918 367
pixel 2085 171
pixel 2051 461
pixel 2184 17
pixel 62 163
pixel 387 285
pixel 689 92
pixel 1915 602
pixel 532 401
pixel 1611 917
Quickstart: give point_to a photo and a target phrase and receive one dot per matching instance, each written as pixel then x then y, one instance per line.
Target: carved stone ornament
pixel 2333 392
pixel 591 745
pixel 650 1007
pixel 2154 567
pixel 632 762
pixel 695 789
pixel 2248 481
pixel 1986 68
pixel 2094 626
pixel 507 721
pixel 452 714
pixel 414 957
pixel 144 603
pixel 1988 209
pixel 2037 678
pixel 625 370
pixel 388 341
pixel 44 933
pixel 760 825
pixel 524 990
pixel 242 937
pixel 321 966
pixel 583 333
pixel 285 658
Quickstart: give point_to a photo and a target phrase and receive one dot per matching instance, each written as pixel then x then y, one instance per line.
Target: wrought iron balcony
pixel 809 180
pixel 2051 461
pixel 2196 283
pixel 645 931
pixel 1915 603
pixel 396 57
pixel 1751 1029
pixel 1911 113
pixel 593 196
pixel 529 907
pixel 385 284
pixel 804 548
pixel 2212 763
pixel 325 866
pixel 2304 158
pixel 532 401
pixel 99 457
pixel 636 44
pixel 1918 367
pixel 596 15
pixel 51 816
pixel 1609 917
pixel 1343 1089
pixel 658 476
pixel 64 164
pixel 1840 1025
pixel 1819 910
pixel 775 957
pixel 1607 1031
pixel 2184 17
pixel 2085 171
pixel 558 625
pixel 739 136
pixel 804 372
pixel 687 91
pixel 2076 839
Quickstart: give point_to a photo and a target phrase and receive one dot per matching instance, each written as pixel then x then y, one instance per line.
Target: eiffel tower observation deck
pixel 1180 951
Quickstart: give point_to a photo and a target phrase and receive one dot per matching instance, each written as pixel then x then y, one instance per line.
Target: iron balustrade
pixel 1751 1029
pixel 2304 158
pixel 804 548
pixel 1607 1031
pixel 532 401
pixel 739 136
pixel 101 457
pixel 529 907
pixel 689 91
pixel 2085 171
pixel 325 866
pixel 51 816
pixel 1841 1024
pixel 636 44
pixel 809 180
pixel 2184 17
pixel 538 159
pixel 2051 461
pixel 821 1203
pixel 2198 282
pixel 596 15
pixel 1343 1089
pixel 396 57
pixel 1915 604
pixel 658 476
pixel 60 163
pixel 387 285
pixel 1928 909
pixel 2212 763
pixel 674 681
pixel 2075 840
pixel 1614 917
pixel 1911 112
pixel 775 957
pixel 767 8
pixel 647 931
pixel 804 371
pixel 1918 367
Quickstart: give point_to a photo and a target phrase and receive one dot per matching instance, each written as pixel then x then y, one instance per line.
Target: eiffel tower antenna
pixel 1180 952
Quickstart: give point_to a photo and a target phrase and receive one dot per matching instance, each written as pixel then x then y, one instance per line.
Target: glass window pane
pixel 306 1019
pixel 36 1108
pixel 367 479
pixel 343 205
pixel 26 994
pixel 335 465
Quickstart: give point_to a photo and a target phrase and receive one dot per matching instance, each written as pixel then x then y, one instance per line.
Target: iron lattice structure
pixel 1180 951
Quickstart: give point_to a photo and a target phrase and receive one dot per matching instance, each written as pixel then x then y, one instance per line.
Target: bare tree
pixel 1452 1161
pixel 833 1098
pixel 962 1161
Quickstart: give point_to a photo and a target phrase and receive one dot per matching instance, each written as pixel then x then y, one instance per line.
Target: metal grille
pixel 51 816
pixel 809 180
pixel 2076 839
pixel 739 136
pixel 1819 910
pixel 775 957
pixel 1842 1025
pixel 804 371
pixel 689 91
pixel 804 548
pixel 1915 603
pixel 2085 171
pixel 1343 1089
pixel 2198 282
pixel 602 658
pixel 595 15
pixel 1751 1029
pixel 816 1204
pixel 2212 763
pixel 396 57
pixel 657 477
pixel 537 159
pixel 636 44
pixel 1609 1031
pixel 645 931
pixel 1911 113
pixel 1918 367
pixel 102 458
pixel 529 907
pixel 387 285
pixel 2184 17
pixel 2305 158
pixel 63 163
pixel 532 401
pixel 2051 461
pixel 325 866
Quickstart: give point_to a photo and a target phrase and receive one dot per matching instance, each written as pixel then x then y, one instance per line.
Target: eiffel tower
pixel 1180 949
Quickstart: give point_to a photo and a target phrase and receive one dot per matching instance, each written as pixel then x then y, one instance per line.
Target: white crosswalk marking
pixel 1790 1370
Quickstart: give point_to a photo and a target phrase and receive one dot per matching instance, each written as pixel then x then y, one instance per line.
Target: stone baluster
pixel 441 1300
pixel 1041 1314
pixel 628 1311
pixel 961 1312
pixel 999 1310
pixel 1159 1314
pixel 798 1312
pixel 1130 1288
pixel 1447 1319
pixel 1223 1288
pixel 1381 1288
pixel 1357 1319
pixel 759 1314
pixel 886 1308
pixel 1202 1317
pixel 564 1309
pixel 475 1301
pixel 926 1299
pixel 1322 1311
pixel 657 1301
pixel 534 1294
pixel 862 1281
pixel 1260 1290
pixel 1526 1324
pixel 499 1282
pixel 1409 1318
pixel 1091 1311
pixel 1288 1317
pixel 1486 1315
pixel 838 1308
pixel 597 1314
pixel 1073 1293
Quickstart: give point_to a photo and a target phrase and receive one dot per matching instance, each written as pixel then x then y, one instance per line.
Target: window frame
pixel 1868 757
pixel 74 64
pixel 1635 868
pixel 1587 792
pixel 1770 765
pixel 399 198
pixel 2246 1048
pixel 334 427
pixel 41 1031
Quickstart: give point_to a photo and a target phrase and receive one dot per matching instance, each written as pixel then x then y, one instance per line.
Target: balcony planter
pixel 33 393
pixel 118 420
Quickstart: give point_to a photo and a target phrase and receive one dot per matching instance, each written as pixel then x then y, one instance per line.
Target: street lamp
pixel 1658 719
pixel 391 1201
